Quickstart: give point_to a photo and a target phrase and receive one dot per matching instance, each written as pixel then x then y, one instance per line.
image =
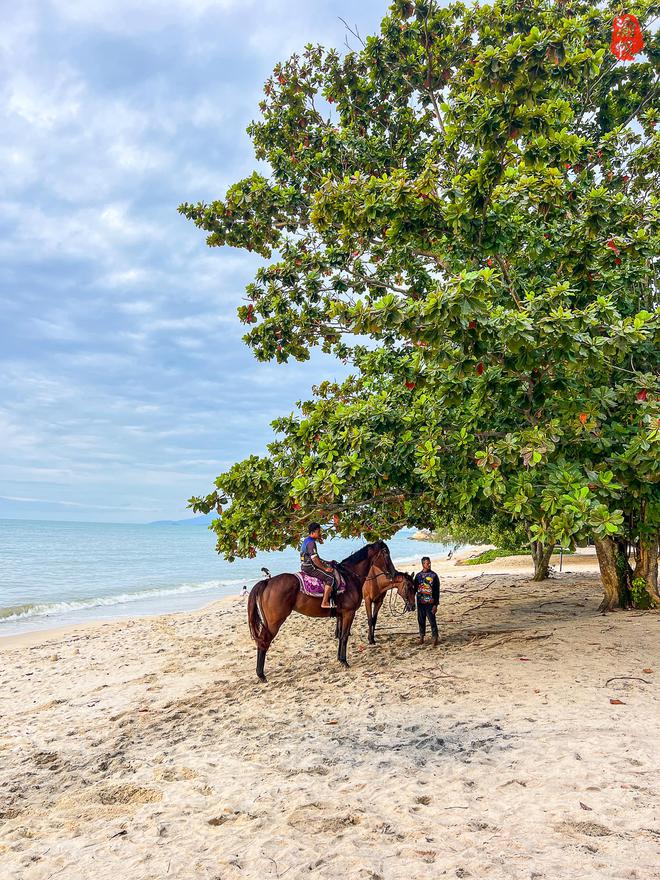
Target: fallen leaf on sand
pixel 617 702
pixel 524 658
pixel 647 671
pixel 332 722
pixel 585 807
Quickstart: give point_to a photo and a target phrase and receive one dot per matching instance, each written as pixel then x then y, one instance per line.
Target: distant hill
pixel 193 521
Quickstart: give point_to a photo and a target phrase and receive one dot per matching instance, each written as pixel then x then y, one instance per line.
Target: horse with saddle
pixel 339 593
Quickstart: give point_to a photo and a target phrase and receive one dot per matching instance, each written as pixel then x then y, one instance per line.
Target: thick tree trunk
pixel 645 575
pixel 614 576
pixel 541 554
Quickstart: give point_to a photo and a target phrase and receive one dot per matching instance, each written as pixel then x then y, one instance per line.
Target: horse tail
pixel 256 620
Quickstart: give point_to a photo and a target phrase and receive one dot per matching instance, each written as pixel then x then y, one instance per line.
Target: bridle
pixel 380 573
pixel 391 576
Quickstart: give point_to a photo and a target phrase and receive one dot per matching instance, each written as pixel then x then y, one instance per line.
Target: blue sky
pixel 124 384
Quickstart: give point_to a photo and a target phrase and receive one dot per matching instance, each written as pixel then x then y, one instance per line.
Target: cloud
pixel 42 501
pixel 125 16
pixel 125 386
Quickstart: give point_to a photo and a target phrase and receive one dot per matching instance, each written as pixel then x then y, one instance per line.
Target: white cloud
pixel 45 104
pixel 121 16
pixel 79 504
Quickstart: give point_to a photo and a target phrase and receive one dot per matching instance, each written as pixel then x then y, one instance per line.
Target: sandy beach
pixel 147 748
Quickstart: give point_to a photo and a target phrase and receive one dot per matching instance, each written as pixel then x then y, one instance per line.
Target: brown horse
pixel 376 585
pixel 272 601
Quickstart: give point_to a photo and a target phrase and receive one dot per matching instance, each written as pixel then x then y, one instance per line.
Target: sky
pixel 125 387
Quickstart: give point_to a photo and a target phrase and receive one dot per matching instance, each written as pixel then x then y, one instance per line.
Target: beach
pixel 146 747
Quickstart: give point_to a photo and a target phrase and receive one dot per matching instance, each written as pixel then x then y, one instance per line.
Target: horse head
pixel 379 556
pixel 405 587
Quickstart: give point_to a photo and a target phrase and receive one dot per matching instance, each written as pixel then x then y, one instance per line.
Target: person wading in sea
pixel 312 564
pixel 428 597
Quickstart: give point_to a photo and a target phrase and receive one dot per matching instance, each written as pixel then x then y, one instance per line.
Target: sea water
pixel 57 573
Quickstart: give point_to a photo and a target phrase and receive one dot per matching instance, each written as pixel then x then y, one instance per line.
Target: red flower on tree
pixel 627 39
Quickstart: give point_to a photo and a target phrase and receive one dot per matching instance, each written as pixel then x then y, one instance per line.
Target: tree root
pixel 533 638
pixel 627 678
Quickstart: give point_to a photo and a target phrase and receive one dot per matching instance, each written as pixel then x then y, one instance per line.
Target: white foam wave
pixel 40 609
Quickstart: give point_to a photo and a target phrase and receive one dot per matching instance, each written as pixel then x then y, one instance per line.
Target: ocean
pixel 58 573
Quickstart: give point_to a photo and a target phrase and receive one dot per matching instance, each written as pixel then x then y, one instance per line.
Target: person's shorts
pixel 324 576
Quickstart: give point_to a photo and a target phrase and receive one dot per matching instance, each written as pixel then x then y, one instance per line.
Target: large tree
pixel 465 207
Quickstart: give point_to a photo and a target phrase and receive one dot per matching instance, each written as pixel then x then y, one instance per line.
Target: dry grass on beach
pixel 147 748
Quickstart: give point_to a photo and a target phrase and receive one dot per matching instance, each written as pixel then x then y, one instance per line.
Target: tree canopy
pixel 465 207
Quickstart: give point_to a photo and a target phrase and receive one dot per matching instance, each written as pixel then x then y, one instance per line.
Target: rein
pixel 380 573
pixel 392 606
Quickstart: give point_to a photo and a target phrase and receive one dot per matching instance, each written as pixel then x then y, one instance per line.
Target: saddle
pixel 313 586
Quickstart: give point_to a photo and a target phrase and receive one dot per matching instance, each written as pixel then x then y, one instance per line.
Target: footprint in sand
pixel 126 793
pixel 173 774
pixel 591 829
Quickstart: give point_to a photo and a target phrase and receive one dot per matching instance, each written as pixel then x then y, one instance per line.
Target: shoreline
pixel 448 570
pixel 37 637
pixel 164 579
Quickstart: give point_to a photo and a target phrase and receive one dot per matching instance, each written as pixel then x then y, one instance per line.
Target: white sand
pixel 147 748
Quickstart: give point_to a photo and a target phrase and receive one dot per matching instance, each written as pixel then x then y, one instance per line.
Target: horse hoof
pixel 344 663
pixel 262 678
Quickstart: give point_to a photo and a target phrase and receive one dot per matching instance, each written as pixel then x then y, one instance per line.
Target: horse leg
pixel 261 660
pixel 346 623
pixel 267 611
pixel 377 606
pixel 339 635
pixel 370 621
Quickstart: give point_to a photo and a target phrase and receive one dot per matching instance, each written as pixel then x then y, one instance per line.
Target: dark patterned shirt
pixel 428 587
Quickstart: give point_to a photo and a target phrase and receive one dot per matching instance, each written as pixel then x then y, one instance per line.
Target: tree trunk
pixel 541 554
pixel 645 575
pixel 613 574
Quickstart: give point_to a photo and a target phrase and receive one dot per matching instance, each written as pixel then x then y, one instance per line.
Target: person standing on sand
pixel 428 597
pixel 312 564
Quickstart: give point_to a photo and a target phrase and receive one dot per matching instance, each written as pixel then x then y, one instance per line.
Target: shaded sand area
pixel 147 748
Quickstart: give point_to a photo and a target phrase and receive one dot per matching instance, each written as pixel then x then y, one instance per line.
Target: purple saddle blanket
pixel 314 586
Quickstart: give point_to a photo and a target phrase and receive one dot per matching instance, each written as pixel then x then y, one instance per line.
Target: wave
pixel 40 609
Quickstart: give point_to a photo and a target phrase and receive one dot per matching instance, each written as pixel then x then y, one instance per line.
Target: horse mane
pixel 360 555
